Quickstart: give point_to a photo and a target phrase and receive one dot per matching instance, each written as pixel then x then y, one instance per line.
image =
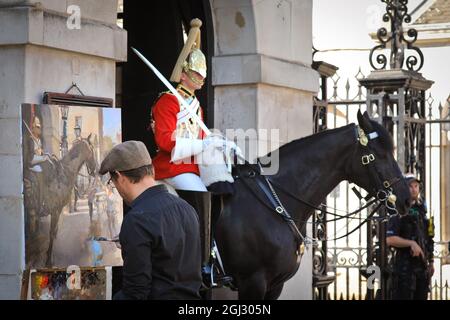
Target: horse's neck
pixel 314 168
pixel 72 162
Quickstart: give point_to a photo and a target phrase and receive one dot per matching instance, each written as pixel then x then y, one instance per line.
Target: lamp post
pixel 77 130
pixel 64 142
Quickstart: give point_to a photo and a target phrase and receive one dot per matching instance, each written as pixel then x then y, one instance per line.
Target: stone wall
pixel 39 53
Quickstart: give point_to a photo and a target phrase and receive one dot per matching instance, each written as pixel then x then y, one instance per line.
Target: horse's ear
pixel 364 122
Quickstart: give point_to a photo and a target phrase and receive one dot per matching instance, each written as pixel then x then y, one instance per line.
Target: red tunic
pixel 165 116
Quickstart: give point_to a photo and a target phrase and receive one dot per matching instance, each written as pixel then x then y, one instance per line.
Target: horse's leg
pixel 30 206
pixel 252 287
pixel 33 222
pixel 274 293
pixel 53 232
pixel 75 200
pixel 91 211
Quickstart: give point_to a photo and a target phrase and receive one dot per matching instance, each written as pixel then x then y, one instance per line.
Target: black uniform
pixel 410 274
pixel 160 241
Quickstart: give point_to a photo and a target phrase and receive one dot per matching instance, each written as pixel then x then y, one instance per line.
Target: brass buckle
pixel 279 209
pixel 386 184
pixel 367 159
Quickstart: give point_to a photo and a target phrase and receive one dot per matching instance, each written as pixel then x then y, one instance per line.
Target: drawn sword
pixel 174 92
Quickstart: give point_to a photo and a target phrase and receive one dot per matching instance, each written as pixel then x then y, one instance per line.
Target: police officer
pixel 411 236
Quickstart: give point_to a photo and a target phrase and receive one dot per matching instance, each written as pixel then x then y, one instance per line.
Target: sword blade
pixel 173 91
pixel 29 131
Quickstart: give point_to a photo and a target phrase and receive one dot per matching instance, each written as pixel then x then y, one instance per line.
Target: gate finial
pixel 397 13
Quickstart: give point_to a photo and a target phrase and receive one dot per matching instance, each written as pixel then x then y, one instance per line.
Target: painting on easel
pixel 72 215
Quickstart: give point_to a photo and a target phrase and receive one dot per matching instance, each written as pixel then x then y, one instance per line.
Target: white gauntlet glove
pixel 185 148
pixel 213 142
pixel 231 148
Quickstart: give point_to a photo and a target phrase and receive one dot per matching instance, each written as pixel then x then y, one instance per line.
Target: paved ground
pixel 72 245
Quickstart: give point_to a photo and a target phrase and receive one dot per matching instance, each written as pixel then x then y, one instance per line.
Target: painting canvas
pixel 73 284
pixel 72 215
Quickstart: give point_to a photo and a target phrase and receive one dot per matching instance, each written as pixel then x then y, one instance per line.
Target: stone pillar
pixel 263 79
pixel 398 97
pixel 38 53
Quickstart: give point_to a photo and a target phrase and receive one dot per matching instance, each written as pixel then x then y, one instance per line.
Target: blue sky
pixel 112 122
pixel 346 24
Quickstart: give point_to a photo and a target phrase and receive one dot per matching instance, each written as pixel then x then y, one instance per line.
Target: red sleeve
pixel 165 117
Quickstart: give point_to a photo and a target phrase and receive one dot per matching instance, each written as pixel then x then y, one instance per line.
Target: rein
pixel 349 214
pixel 383 193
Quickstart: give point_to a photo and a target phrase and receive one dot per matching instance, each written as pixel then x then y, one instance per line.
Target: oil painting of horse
pixel 68 208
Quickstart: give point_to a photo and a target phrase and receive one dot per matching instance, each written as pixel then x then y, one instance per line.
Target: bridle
pixel 383 188
pixel 381 193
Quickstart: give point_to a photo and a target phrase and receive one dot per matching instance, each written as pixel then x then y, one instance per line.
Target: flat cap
pixel 126 156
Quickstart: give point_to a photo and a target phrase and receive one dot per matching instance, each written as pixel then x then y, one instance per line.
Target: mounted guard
pixel 190 158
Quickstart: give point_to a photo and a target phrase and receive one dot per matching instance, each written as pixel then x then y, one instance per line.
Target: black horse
pixel 258 248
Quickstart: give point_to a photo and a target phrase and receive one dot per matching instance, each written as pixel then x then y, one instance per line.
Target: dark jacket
pixel 413 226
pixel 160 241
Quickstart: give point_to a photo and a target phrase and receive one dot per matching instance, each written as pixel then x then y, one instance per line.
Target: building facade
pixel 260 77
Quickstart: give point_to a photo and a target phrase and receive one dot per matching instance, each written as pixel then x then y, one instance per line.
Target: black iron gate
pixel 396 98
pixel 340 266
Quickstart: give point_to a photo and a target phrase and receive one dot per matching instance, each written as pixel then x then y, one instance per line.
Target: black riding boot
pixel 212 270
pixel 201 201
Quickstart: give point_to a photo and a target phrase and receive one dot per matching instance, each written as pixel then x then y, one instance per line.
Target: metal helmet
pixel 191 57
pixel 196 62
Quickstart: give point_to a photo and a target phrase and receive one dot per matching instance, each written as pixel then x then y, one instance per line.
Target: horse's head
pixel 88 150
pixel 374 168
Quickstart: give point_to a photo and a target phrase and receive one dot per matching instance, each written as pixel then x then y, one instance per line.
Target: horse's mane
pixel 383 136
pixel 73 152
pixel 297 143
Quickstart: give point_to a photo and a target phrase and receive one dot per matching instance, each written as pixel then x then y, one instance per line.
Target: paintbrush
pixel 103 239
